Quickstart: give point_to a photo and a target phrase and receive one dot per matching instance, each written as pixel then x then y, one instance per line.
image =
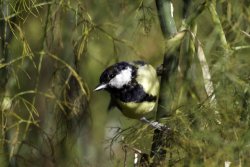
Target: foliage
pixel 52 53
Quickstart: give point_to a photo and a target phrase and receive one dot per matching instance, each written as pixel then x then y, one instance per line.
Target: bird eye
pixel 112 76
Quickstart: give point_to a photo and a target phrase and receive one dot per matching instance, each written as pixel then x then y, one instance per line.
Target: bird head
pixel 116 76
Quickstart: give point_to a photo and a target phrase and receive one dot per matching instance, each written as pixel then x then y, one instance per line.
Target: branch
pixel 165 11
pixel 160 140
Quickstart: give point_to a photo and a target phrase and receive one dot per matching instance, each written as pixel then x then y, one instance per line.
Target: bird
pixel 133 87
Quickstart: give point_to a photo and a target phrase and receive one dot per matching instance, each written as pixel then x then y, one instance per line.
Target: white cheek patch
pixel 121 79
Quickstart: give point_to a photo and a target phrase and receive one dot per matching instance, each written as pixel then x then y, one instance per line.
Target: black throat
pixel 133 92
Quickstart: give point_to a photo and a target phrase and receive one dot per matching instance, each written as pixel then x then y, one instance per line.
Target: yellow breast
pixel 136 110
pixel 147 77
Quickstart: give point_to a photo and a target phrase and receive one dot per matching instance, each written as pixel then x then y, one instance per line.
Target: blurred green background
pixel 53 52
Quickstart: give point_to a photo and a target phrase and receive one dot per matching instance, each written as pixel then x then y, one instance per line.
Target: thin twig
pixel 217 23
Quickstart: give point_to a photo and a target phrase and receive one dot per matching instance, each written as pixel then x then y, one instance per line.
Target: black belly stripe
pixel 133 93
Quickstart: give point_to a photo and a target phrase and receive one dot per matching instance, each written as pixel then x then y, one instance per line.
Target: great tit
pixel 133 86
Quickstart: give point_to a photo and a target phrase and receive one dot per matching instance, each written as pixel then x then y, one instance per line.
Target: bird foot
pixel 155 124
